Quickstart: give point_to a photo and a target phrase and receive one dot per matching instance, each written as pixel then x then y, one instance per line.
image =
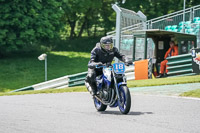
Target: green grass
pixel 193 93
pixel 132 83
pixel 84 44
pixel 164 81
pixel 169 81
pixel 70 89
pixel 23 70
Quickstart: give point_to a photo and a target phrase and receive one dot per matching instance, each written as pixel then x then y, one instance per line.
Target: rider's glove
pixel 128 62
pixel 93 65
pixel 123 58
pixel 99 64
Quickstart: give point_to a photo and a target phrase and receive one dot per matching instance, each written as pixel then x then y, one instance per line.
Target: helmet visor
pixel 107 46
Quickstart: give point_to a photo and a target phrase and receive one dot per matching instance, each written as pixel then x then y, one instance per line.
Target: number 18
pixel 119 66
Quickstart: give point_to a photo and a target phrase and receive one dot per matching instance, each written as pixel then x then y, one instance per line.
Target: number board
pixel 119 68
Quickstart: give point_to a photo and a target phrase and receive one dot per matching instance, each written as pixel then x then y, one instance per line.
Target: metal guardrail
pixel 70 80
pixel 28 88
pixel 77 79
pixel 130 72
pixel 55 83
pixel 174 18
pixel 61 82
pixel 180 65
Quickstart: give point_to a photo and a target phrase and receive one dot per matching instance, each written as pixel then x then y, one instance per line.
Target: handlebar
pixel 104 66
pixel 129 64
pixel 110 65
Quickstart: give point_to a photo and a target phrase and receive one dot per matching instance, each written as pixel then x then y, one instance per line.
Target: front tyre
pixel 124 102
pixel 99 106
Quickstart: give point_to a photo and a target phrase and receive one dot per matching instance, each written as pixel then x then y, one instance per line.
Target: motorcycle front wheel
pixel 124 102
pixel 99 106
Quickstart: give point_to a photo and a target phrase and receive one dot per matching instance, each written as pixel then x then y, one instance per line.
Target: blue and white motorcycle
pixel 112 89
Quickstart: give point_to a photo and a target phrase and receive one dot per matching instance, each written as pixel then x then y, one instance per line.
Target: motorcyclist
pixel 103 53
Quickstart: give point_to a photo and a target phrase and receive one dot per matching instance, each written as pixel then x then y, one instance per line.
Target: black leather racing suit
pixel 100 55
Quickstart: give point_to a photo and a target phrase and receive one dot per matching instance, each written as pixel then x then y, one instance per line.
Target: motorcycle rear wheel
pixel 124 102
pixel 99 106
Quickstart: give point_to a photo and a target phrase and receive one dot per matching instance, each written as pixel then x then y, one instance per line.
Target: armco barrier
pixel 71 80
pixel 180 65
pixel 24 89
pixel 55 83
pixel 130 72
pixel 77 79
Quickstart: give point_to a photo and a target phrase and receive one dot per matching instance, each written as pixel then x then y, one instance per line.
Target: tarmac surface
pixel 173 90
pixel 75 113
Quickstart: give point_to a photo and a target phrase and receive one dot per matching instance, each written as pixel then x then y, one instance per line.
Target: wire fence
pixel 174 18
pixel 127 21
pixel 130 21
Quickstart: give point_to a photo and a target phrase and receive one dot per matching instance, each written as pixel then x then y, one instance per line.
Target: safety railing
pixel 77 79
pixel 28 88
pixel 174 18
pixel 70 80
pixel 180 65
pixel 61 82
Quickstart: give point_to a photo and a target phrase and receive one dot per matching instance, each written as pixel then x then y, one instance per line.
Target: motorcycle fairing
pixel 107 73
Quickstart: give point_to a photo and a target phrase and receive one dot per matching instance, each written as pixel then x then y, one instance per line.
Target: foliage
pixel 24 23
pixel 87 16
pixel 84 44
pixel 157 8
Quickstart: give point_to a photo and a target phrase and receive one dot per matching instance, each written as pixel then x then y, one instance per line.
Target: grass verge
pixel 193 93
pixel 132 83
pixel 164 81
pixel 23 70
pixel 70 89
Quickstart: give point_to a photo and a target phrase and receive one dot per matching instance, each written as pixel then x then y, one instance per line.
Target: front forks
pixel 116 87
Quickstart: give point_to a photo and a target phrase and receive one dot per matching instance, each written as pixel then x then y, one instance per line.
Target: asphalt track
pixel 75 113
pixel 173 90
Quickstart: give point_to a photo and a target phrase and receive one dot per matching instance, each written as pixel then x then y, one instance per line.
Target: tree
pixel 24 23
pixel 79 15
pixel 157 8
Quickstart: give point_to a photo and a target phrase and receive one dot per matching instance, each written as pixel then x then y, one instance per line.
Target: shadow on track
pixel 130 113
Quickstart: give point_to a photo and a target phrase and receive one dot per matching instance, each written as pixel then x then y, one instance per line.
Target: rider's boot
pixel 94 90
pixel 91 88
pixel 160 76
